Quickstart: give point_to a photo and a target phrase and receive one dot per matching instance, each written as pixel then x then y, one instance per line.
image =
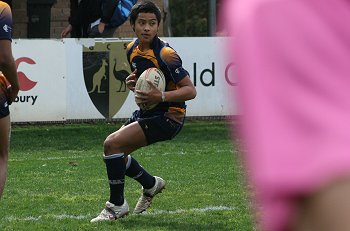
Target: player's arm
pixel 131 79
pixel 7 63
pixel 185 89
pixel 8 66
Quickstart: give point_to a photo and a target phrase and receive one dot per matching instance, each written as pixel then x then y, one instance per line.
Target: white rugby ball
pixel 157 78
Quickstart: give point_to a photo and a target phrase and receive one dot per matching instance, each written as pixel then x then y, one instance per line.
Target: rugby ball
pixel 157 78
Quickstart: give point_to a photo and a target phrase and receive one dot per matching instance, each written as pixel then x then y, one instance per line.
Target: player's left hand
pixel 131 80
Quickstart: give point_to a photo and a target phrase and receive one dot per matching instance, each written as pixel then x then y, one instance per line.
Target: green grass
pixel 57 180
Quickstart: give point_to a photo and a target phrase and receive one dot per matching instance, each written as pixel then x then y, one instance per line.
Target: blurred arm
pixel 8 65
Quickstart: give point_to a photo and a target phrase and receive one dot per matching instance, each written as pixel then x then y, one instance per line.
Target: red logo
pixel 24 82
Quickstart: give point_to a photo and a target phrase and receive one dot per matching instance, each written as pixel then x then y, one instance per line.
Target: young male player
pixel 8 75
pixel 145 127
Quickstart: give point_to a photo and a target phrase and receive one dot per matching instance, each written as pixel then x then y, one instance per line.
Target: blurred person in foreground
pixel 145 127
pixel 9 87
pixel 292 60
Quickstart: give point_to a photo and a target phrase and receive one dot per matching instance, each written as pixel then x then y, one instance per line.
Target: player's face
pixel 146 27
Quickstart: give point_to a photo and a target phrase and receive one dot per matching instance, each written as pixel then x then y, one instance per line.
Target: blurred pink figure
pixel 293 68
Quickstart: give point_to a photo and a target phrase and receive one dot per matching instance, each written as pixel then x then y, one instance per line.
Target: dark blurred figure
pixel 9 87
pixel 90 18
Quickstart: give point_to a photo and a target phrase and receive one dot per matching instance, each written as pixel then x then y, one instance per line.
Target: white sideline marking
pixel 88 217
pixel 55 158
pixel 179 211
pixel 71 217
pixel 30 218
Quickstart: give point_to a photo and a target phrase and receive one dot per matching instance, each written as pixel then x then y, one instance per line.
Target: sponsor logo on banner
pixel 105 70
pixel 25 83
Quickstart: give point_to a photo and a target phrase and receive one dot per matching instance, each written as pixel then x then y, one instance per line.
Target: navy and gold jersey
pixel 5 21
pixel 165 58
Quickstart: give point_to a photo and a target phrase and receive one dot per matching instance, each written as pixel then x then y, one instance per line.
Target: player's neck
pixel 143 47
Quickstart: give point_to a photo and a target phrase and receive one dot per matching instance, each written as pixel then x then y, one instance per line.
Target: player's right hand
pixel 131 81
pixel 10 90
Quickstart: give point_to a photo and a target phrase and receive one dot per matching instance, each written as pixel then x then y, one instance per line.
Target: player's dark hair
pixel 145 7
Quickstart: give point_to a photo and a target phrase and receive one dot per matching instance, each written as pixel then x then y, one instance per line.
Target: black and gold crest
pixel 105 70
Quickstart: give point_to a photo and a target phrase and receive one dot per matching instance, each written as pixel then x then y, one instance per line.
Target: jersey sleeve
pixel 129 48
pixel 174 64
pixel 5 22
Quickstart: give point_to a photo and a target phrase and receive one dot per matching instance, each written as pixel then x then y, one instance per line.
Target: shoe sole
pixel 160 191
pixel 111 220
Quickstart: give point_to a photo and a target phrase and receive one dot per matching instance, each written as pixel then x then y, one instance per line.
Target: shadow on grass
pixel 177 223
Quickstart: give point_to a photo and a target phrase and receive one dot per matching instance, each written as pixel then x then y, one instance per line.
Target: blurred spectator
pixel 90 18
pixel 292 61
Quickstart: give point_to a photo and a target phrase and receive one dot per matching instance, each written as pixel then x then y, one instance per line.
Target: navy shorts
pixel 155 126
pixel 5 89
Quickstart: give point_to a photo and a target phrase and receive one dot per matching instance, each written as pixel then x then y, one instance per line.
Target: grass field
pixel 57 180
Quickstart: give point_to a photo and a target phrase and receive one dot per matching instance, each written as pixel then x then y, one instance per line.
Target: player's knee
pixel 111 145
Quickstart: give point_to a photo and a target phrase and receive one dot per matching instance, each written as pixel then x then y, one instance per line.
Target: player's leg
pixel 156 129
pixel 153 133
pixel 4 147
pixel 134 169
pixel 137 172
pixel 124 141
pixel 151 185
pixel 327 209
pixel 116 146
pixel 145 131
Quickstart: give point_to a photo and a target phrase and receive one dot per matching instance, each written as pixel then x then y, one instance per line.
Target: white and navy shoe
pixel 147 195
pixel 112 212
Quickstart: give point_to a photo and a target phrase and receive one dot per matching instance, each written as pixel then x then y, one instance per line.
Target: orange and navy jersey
pixel 165 58
pixel 5 90
pixel 5 21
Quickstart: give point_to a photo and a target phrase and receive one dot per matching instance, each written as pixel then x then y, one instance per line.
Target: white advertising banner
pixel 41 68
pixel 73 79
pixel 212 76
pixel 79 104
